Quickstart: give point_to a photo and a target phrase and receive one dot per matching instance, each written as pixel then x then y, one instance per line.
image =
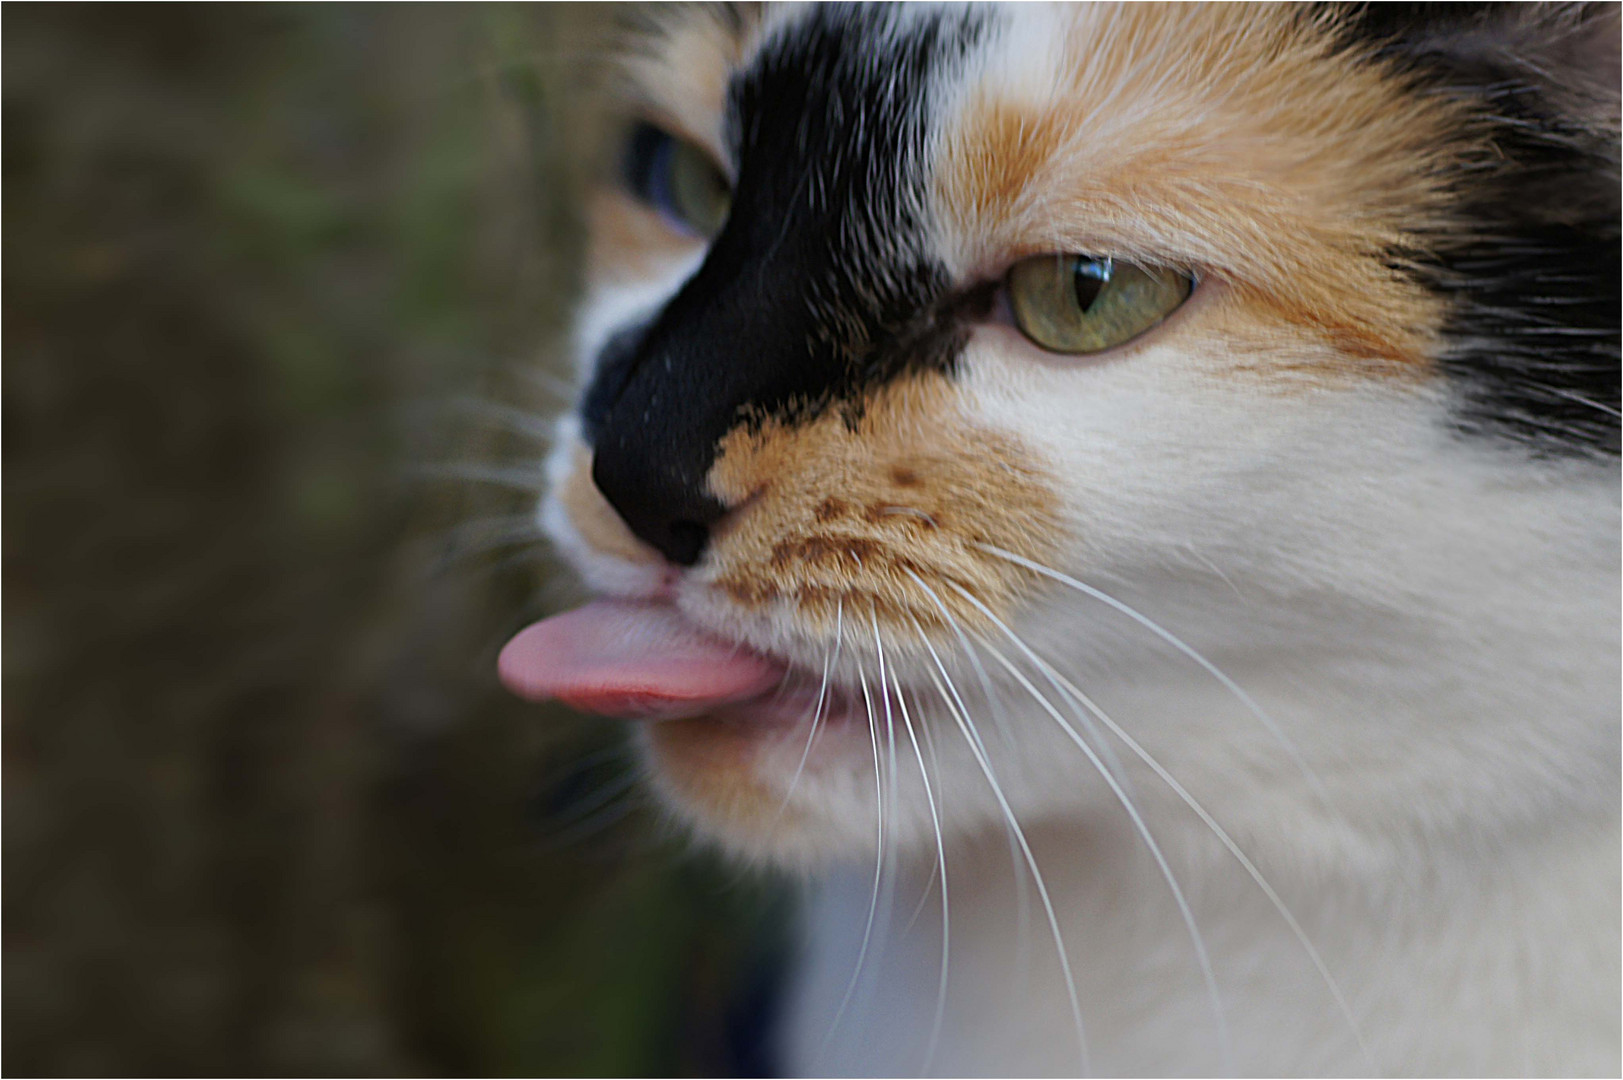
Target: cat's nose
pixel 647 458
pixel 654 493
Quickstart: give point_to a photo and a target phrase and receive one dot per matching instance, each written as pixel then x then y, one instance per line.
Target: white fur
pixel 1432 627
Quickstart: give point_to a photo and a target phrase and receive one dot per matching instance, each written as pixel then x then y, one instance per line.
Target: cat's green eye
pixel 1079 304
pixel 678 179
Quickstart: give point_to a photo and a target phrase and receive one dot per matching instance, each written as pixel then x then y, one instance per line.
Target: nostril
pixel 665 507
pixel 685 542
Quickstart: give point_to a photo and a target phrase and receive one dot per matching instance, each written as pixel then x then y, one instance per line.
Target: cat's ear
pixel 1584 57
pixel 1544 81
pixel 1563 57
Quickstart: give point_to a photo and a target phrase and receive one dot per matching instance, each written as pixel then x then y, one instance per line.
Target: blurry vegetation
pixel 265 809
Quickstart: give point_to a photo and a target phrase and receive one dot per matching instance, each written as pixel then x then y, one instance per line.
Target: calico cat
pixel 1125 500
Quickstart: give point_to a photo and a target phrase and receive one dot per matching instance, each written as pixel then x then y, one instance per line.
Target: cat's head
pixel 995 378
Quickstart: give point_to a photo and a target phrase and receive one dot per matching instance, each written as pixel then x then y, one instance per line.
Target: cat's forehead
pixel 1236 139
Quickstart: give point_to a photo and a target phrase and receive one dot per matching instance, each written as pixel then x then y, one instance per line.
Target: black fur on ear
pixel 1550 71
pixel 1533 268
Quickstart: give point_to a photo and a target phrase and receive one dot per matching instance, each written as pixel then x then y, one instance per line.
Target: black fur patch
pixel 818 287
pixel 1534 273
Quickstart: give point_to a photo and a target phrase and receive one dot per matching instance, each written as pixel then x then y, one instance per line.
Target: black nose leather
pixel 658 498
pixel 638 460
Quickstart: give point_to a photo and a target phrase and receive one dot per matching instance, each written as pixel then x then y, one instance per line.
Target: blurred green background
pixel 284 291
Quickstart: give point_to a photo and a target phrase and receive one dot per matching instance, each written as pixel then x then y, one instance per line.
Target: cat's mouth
pixel 643 660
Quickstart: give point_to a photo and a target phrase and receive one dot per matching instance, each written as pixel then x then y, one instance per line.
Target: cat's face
pixel 900 318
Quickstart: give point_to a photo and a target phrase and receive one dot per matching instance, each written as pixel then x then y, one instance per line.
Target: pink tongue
pixel 631 659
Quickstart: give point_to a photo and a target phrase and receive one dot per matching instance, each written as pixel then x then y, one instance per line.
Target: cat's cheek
pixel 743 785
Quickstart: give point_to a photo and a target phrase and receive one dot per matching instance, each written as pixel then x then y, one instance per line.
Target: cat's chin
pixel 786 778
pixel 736 776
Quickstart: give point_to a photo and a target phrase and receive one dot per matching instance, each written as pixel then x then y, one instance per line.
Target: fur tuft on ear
pixel 1572 44
pixel 1532 263
pixel 1549 70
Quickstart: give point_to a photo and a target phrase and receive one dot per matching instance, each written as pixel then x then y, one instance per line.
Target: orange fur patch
pixel 705 764
pixel 1227 138
pixel 868 517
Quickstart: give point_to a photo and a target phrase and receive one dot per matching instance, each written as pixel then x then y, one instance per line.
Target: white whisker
pixel 485 535
pixel 560 390
pixel 1110 759
pixel 935 765
pixel 888 894
pixel 522 479
pixel 1117 789
pixel 1171 639
pixel 1022 901
pixel 924 898
pixel 1580 399
pixel 817 709
pixel 890 726
pixel 508 418
pixel 1143 830
pixel 878 865
pixel 1233 849
pixel 941 866
pixel 966 726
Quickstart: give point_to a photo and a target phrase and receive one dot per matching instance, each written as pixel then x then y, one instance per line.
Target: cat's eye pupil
pixel 1078 304
pixel 1091 277
pixel 646 153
